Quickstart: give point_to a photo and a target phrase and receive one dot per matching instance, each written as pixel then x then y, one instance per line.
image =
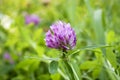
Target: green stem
pixel 67 67
pixel 68 70
pixel 75 70
pixel 111 73
pixel 63 74
pixel 71 69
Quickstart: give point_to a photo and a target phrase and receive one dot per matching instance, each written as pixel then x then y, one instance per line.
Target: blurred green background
pixel 94 21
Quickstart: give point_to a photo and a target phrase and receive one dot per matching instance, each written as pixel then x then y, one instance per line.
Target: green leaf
pixel 40 51
pixel 53 66
pixel 4 69
pixel 90 48
pixel 37 34
pixel 111 37
pixel 97 24
pixel 99 64
pixel 71 10
pixel 95 46
pixel 88 65
pixel 33 66
pixel 55 76
pixel 93 66
pixel 24 63
pixel 111 57
pixel 41 58
pixel 28 65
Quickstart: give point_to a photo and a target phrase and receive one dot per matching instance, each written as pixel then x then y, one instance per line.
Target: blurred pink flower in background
pixel 8 58
pixel 32 19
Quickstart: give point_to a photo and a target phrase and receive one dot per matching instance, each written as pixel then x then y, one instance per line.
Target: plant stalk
pixel 67 67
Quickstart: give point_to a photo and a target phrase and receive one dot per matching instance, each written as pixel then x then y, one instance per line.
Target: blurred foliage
pixel 96 22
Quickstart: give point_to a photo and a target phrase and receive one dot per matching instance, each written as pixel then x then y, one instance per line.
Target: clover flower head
pixel 61 36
